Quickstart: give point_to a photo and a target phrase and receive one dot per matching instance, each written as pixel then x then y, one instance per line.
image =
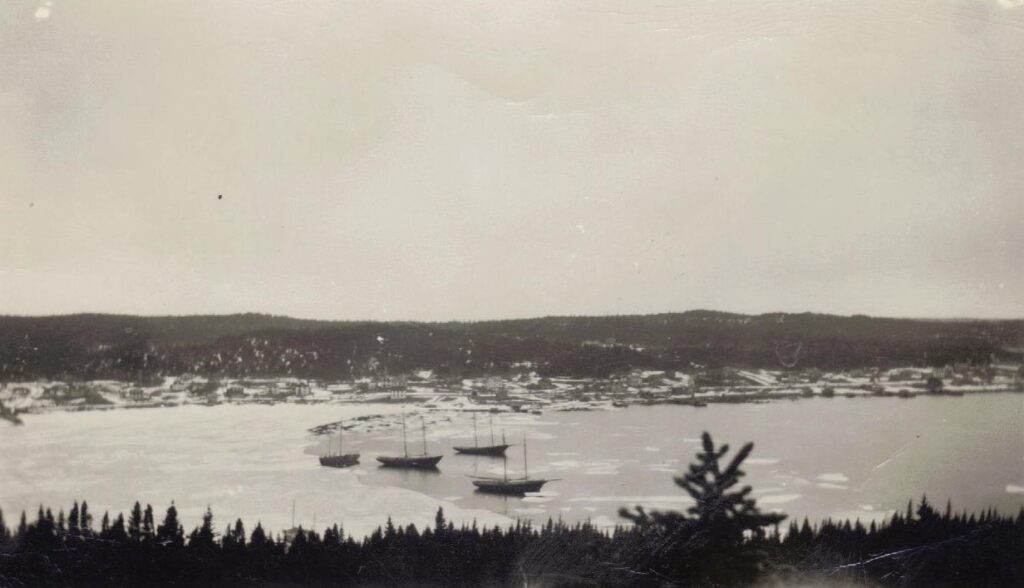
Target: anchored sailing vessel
pixel 496 450
pixel 340 459
pixel 512 486
pixel 422 462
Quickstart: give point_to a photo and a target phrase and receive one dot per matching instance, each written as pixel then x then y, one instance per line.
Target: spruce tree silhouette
pixel 135 522
pixel 707 546
pixel 203 537
pixel 170 532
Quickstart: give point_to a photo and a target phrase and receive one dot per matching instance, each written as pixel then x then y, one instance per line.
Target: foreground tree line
pixel 723 540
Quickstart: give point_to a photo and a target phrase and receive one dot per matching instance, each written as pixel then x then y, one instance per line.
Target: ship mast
pixel 492 429
pixel 526 471
pixel 476 443
pixel 423 420
pixel 405 442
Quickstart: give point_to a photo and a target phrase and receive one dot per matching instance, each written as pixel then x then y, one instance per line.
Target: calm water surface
pixel 842 457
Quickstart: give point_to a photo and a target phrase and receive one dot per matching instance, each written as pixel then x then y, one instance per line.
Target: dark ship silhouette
pixel 421 462
pixel 340 459
pixel 511 486
pixel 494 449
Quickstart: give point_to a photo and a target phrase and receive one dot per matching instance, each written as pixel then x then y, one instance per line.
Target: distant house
pixel 399 382
pixel 181 384
pixel 57 393
pixel 635 379
pixel 234 392
pixel 136 394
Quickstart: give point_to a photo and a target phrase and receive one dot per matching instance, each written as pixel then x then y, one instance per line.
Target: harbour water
pixel 841 458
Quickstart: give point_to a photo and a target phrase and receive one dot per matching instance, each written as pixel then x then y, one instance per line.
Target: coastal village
pixel 523 392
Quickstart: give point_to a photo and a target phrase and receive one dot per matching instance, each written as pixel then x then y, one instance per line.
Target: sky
pixel 471 159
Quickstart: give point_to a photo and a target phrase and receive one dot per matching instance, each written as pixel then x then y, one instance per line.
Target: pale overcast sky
pixel 475 159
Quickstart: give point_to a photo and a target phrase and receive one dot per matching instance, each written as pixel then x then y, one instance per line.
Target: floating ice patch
pixel 1014 489
pixel 866 507
pixel 768 490
pixel 652 449
pixel 834 477
pixel 779 498
pixel 537 499
pixel 762 461
pixel 562 453
pixel 565 464
pixel 661 468
pixel 831 486
pixel 452 498
pixel 602 472
pixel 529 511
pixel 635 499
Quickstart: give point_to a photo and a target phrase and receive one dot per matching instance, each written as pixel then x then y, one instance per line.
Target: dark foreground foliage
pixel 925 549
pixel 723 540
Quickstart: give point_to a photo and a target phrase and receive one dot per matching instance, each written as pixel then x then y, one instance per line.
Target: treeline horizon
pixel 96 346
pixel 918 547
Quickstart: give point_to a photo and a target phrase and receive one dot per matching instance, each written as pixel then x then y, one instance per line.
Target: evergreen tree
pixel 258 538
pixel 135 522
pixel 117 531
pixel 439 521
pixel 170 532
pixel 238 533
pixel 203 537
pixel 73 519
pixel 708 547
pixel 147 523
pixel 84 519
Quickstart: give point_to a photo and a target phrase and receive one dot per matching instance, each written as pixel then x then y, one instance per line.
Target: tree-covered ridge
pixel 723 540
pixel 128 347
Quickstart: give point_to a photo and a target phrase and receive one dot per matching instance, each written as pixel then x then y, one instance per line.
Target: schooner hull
pixel 493 450
pixel 340 461
pixel 425 462
pixel 509 487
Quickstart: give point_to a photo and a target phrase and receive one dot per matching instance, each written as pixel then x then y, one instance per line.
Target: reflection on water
pixel 843 457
